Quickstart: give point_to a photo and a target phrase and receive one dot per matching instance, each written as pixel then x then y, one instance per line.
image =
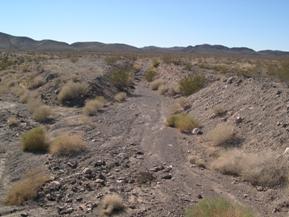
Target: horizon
pixel 259 25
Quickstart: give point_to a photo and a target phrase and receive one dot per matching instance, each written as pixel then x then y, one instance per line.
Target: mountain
pixel 15 43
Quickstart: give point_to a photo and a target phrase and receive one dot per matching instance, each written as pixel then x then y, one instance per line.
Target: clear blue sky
pixel 259 24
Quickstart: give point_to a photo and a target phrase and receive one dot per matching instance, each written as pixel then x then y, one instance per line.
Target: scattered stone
pixel 87 171
pixel 200 196
pixel 73 164
pixel 157 168
pixel 230 80
pixel 167 176
pixel 238 120
pixel 197 131
pixel 99 163
pixel 24 214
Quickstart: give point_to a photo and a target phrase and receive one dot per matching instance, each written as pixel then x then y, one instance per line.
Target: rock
pixel 230 80
pixel 24 215
pixel 260 188
pixel 55 185
pixel 157 168
pixel 73 164
pixel 278 93
pixel 99 163
pixel 167 176
pixel 238 120
pixel 245 195
pixel 200 196
pixel 87 171
pixel 99 181
pixel 197 131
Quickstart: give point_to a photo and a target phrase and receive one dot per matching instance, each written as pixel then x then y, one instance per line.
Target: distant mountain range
pixel 15 43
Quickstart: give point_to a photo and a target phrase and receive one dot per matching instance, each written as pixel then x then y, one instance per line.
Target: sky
pixel 258 24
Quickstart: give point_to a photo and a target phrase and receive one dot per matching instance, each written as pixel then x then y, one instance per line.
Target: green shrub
pixel 72 91
pixel 121 78
pixel 217 207
pixel 183 122
pixel 191 84
pixel 150 74
pixel 26 188
pixel 120 97
pixel 34 140
pixel 93 106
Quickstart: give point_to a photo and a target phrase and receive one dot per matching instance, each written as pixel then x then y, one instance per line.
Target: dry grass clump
pixel 191 84
pixel 12 121
pixel 264 169
pixel 163 89
pixel 122 77
pixel 183 122
pixel 156 84
pixel 26 188
pixel 67 144
pixel 217 207
pixel 111 204
pixel 93 106
pixel 219 111
pixel 182 104
pixel 120 97
pixel 34 140
pixel 222 134
pixel 150 74
pixel 36 82
pixel 72 91
pixel 42 114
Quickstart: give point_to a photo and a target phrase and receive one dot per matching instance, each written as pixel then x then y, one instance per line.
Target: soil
pixel 132 152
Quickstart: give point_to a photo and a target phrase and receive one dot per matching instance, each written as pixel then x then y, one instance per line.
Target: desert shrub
pixel 219 111
pixel 36 82
pixel 111 204
pixel 121 77
pixel 34 140
pixel 163 89
pixel 120 97
pixel 150 74
pixel 183 122
pixel 24 96
pixel 156 84
pixel 156 63
pixel 110 60
pixel 42 113
pixel 26 188
pixel 12 121
pixel 264 169
pixel 67 144
pixel 222 134
pixel 217 207
pixel 188 66
pixel 191 84
pixel 93 106
pixel 180 105
pixel 72 91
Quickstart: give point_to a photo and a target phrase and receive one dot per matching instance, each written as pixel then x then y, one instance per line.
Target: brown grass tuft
pixel 264 169
pixel 72 91
pixel 222 134
pixel 111 204
pixel 42 113
pixel 156 84
pixel 217 207
pixel 34 140
pixel 67 144
pixel 12 121
pixel 26 188
pixel 120 97
pixel 184 122
pixel 93 106
pixel 191 84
